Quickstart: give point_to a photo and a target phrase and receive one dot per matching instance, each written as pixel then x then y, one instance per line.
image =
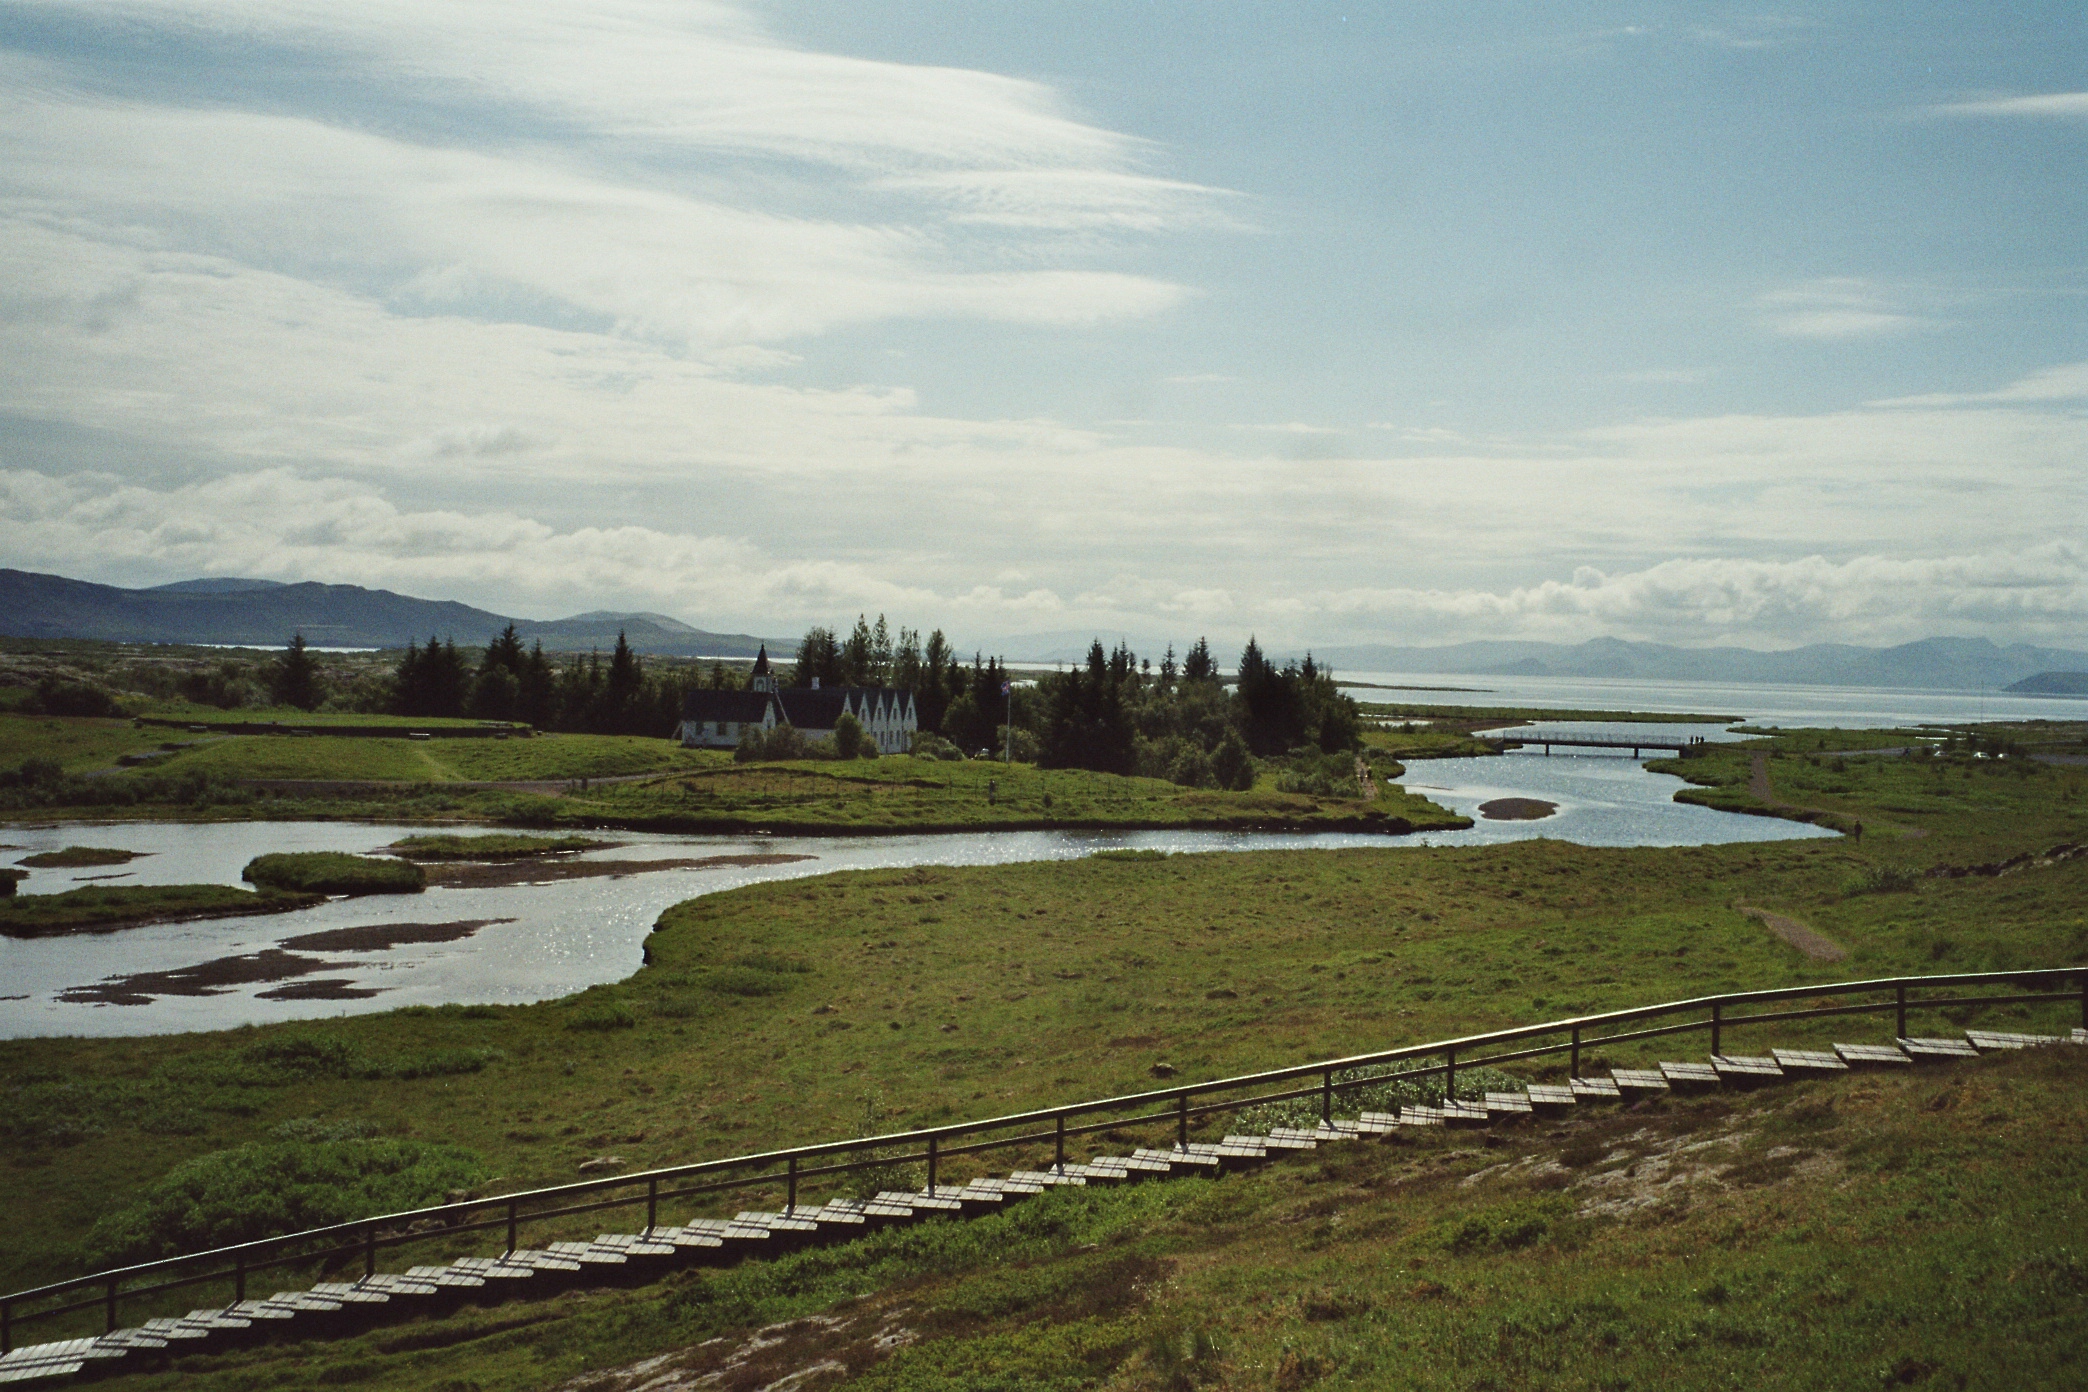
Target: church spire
pixel 762 680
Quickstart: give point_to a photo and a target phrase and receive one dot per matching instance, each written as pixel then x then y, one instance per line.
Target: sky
pixel 1333 324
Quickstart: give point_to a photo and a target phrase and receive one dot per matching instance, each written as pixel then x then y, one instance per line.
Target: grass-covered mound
pixel 107 908
pixel 75 857
pixel 263 1190
pixel 334 872
pixel 492 846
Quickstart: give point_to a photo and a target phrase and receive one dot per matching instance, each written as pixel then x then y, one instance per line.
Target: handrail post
pixel 791 1205
pixel 1901 1027
pixel 652 1202
pixel 239 1278
pixel 6 1327
pixel 1059 1147
pixel 369 1250
pixel 931 1167
pixel 1717 1020
pixel 1573 1070
pixel 111 1303
pixel 1449 1075
pixel 1182 1121
pixel 511 1226
pixel 2084 1000
pixel 1327 1097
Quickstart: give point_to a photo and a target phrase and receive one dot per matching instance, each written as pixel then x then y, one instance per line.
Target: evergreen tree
pixel 818 656
pixel 1199 665
pixel 880 672
pixel 857 655
pixel 296 677
pixel 536 697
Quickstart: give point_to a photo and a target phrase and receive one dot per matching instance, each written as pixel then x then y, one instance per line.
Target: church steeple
pixel 763 679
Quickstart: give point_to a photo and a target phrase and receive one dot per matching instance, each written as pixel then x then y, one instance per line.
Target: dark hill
pixel 264 614
pixel 2053 684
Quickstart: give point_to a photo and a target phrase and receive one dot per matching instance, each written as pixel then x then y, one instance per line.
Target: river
pixel 541 941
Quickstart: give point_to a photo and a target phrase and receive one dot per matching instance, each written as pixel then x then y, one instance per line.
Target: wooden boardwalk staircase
pixel 340 1307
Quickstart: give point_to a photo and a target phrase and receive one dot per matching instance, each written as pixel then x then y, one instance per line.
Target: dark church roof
pixel 818 708
pixel 740 707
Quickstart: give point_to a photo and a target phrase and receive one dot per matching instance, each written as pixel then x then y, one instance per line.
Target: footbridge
pixel 1522 739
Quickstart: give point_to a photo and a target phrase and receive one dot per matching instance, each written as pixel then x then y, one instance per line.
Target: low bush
pixel 332 872
pixel 265 1190
pixel 933 746
pixel 1880 879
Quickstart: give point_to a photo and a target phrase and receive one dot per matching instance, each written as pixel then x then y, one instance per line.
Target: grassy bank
pixel 334 872
pixel 99 909
pixel 671 789
pixel 1862 1234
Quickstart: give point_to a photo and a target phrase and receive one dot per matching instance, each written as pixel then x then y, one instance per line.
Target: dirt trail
pixel 1818 946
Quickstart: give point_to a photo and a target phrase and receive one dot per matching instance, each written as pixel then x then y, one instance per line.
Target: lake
pixel 540 941
pixel 1848 707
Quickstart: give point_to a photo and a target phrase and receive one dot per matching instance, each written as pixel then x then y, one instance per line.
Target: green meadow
pixel 1865 1234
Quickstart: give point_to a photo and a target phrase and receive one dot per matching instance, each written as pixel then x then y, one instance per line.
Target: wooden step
pixel 1509 1104
pixel 1050 1178
pixel 1688 1075
pixel 690 1239
pixel 1736 1070
pixel 1991 1041
pixel 1419 1114
pixel 1595 1089
pixel 1634 1083
pixel 778 1224
pixel 1937 1050
pixel 1461 1113
pixel 1549 1099
pixel 1818 1063
pixel 1286 1138
pixel 352 1295
pixel 1376 1124
pixel 1872 1055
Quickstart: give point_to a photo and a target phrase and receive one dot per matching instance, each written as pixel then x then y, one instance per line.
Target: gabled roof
pixel 740 707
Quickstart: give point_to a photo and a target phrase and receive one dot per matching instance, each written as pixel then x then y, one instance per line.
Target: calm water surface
pixel 568 935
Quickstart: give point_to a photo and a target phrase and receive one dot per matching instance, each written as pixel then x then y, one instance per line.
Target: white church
pixel 717 719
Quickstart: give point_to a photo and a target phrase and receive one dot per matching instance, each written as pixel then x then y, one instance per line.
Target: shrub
pixel 848 736
pixel 55 697
pixel 332 872
pixel 1231 764
pixel 1191 768
pixel 928 745
pixel 265 1190
pixel 1880 879
pixel 783 742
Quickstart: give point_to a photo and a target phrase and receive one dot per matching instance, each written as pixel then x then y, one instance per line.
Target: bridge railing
pixel 360 1243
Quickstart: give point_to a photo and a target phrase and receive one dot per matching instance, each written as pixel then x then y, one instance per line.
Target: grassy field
pixel 815 1008
pixel 79 746
pixel 543 758
pixel 1888 1231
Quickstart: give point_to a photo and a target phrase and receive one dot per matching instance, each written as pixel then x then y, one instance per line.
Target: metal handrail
pixel 367 1235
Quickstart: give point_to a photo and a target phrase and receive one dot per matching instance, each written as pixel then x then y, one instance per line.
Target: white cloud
pixel 2066 382
pixel 2046 105
pixel 1835 307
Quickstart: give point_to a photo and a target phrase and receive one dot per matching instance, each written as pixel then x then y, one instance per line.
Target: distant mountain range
pixel 265 613
pixel 1959 664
